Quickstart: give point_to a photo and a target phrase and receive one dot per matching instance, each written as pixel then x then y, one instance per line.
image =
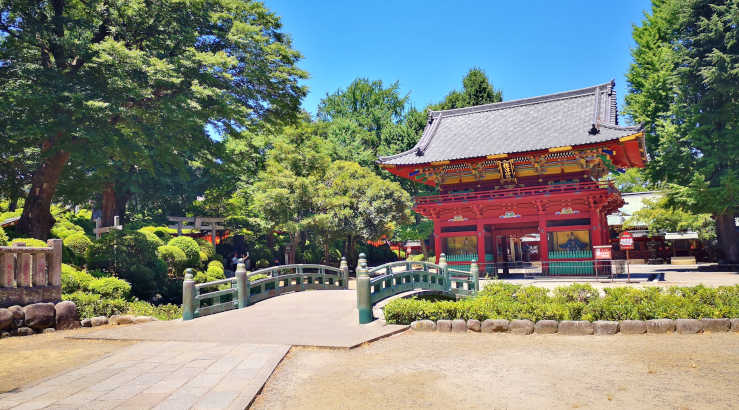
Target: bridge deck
pixel 326 318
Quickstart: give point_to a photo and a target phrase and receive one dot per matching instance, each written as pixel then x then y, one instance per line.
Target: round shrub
pixel 215 271
pixel 30 242
pixel 64 228
pixel 110 287
pixel 3 237
pixel 191 249
pixel 207 248
pixel 152 237
pixel 91 305
pixel 162 232
pixel 262 263
pixel 203 257
pixel 174 258
pixel 77 243
pixel 74 280
pixel 215 263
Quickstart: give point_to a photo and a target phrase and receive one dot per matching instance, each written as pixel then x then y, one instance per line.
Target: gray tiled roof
pixel 529 124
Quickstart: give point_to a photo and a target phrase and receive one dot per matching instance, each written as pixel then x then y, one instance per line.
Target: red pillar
pixel 543 245
pixel 481 247
pixel 437 240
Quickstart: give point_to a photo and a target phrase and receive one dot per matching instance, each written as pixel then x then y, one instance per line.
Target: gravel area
pixel 431 370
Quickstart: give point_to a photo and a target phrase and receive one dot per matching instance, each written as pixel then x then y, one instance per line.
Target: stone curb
pixel 568 327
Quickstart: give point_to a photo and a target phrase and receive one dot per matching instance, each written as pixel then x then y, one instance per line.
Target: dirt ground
pixel 27 359
pixel 431 370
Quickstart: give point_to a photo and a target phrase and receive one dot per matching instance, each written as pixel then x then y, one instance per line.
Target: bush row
pixel 574 302
pixel 91 305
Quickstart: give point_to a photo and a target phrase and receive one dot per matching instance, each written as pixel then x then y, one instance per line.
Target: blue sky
pixel 527 48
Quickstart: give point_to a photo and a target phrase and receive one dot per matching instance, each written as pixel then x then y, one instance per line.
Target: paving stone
pixel 494 326
pixel 576 327
pixel 459 326
pixel 443 325
pixel 632 327
pixel 716 325
pixel 143 401
pixel 688 326
pixel 546 326
pixel 521 327
pixel 473 325
pixel 142 319
pixel 660 326
pixel 605 327
pixel 423 325
pixel 98 321
pixel 216 400
pixel 125 319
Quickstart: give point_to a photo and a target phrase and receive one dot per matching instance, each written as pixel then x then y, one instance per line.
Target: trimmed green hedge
pixel 190 248
pixel 78 243
pixel 3 237
pixel 574 302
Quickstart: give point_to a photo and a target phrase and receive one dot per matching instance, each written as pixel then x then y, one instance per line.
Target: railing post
pixel 444 271
pixel 475 271
pixel 188 295
pixel 364 306
pixel 7 270
pixel 344 266
pixel 242 285
pixel 23 260
pixel 54 262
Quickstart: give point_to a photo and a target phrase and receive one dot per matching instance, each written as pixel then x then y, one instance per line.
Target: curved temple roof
pixel 529 124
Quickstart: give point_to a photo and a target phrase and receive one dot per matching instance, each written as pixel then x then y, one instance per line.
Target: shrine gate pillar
pixel 481 247
pixel 543 245
pixel 437 239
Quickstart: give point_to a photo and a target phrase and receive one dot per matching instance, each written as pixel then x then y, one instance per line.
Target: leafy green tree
pixel 102 81
pixel 684 86
pixel 633 180
pixel 358 205
pixel 284 194
pixel 476 90
pixel 660 217
pixel 419 229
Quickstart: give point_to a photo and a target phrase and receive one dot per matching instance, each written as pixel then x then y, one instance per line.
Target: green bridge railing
pixel 239 292
pixel 381 282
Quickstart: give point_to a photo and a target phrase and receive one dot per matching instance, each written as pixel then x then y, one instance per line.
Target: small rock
pixel 632 327
pixel 6 319
pixel 575 327
pixel 660 326
pixel 423 325
pixel 546 327
pixel 66 315
pixel 494 326
pixel 605 327
pixel 459 326
pixel 125 319
pixel 735 325
pixel 142 319
pixel 716 325
pixel 24 331
pixel 444 325
pixel 521 327
pixel 113 320
pixel 473 325
pixel 3 335
pixel 688 326
pixel 49 330
pixel 86 322
pixel 19 316
pixel 40 316
pixel 98 321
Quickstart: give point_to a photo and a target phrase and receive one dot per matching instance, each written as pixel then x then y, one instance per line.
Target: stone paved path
pixel 326 318
pixel 159 375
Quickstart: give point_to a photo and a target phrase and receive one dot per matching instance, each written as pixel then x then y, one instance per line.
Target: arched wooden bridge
pixel 373 284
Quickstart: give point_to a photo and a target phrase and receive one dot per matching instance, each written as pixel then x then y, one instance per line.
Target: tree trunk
pixel 37 220
pixel 424 249
pixel 728 239
pixel 109 205
pixel 13 202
